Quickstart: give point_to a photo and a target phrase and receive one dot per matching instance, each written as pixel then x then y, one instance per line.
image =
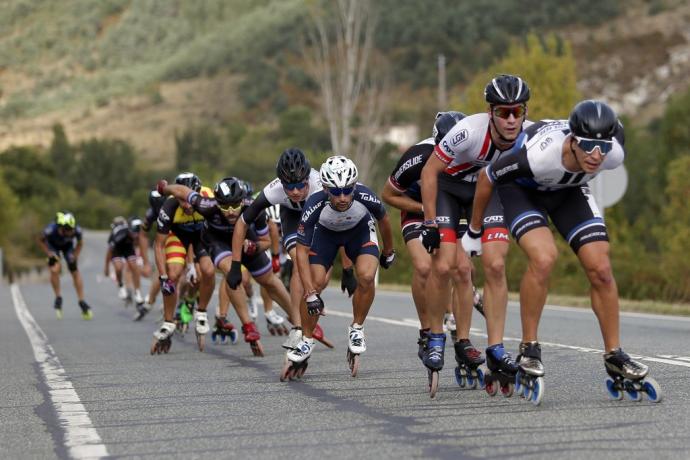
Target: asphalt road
pixel 83 389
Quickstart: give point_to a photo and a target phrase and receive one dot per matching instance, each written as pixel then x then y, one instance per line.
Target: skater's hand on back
pixel 167 286
pixel 314 304
pixel 472 241
pixel 430 238
pixel 348 282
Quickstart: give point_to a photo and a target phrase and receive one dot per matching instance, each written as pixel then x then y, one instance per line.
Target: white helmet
pixel 338 171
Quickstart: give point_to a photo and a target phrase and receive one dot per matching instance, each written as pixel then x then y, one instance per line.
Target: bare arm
pixel 275 237
pixel 344 259
pixel 386 234
pixel 430 172
pixel 180 192
pixel 159 252
pixel 399 200
pixel 303 267
pixel 108 256
pixel 238 236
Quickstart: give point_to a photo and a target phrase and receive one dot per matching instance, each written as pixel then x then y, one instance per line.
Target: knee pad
pixel 72 266
pixel 52 260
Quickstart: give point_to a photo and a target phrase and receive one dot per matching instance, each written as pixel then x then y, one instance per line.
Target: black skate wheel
pixel 433 384
pixel 355 365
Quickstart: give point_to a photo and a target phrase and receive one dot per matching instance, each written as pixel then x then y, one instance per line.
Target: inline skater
pixel 546 177
pixel 177 217
pixel 121 253
pixel 341 215
pixel 295 182
pixel 156 200
pixel 402 191
pixel 221 214
pixel 448 184
pixel 58 239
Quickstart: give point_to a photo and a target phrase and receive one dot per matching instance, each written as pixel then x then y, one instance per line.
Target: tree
pixel 61 154
pixel 339 54
pixel 546 65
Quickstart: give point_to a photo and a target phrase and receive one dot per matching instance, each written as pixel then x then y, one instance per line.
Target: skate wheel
pixel 614 392
pixel 299 373
pixel 354 365
pixel 471 380
pixel 652 390
pixel 480 378
pixel 460 377
pixel 433 384
pixel 271 331
pixel 201 341
pixel 257 349
pixel 286 373
pixel 537 391
pixel 632 393
pixel 518 383
pixel 491 388
pixel 507 390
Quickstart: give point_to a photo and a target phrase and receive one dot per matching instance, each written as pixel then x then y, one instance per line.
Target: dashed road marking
pixel 81 438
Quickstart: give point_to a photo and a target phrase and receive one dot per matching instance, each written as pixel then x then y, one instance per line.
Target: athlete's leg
pixel 594 258
pixel 462 294
pixel 277 292
pixel 540 248
pixel 296 291
pixel 365 267
pixel 174 271
pixel 495 289
pixel 443 268
pixel 421 262
pixel 207 281
pixel 318 276
pixel 55 269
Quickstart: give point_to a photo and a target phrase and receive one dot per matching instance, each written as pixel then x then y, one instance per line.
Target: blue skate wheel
pixel 471 380
pixel 480 378
pixel 652 390
pixel 537 391
pixel 518 383
pixel 459 377
pixel 633 394
pixel 233 337
pixel 614 392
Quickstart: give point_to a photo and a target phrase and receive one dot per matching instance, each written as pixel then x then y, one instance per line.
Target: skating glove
pixel 314 304
pixel 191 274
pixel 387 260
pixel 275 263
pixel 348 282
pixel 161 185
pixel 167 285
pixel 52 259
pixel 234 276
pixel 472 241
pixel 430 238
pixel 249 247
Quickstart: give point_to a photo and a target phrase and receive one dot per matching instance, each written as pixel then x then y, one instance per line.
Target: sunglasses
pixel 505 112
pixel 294 185
pixel 337 191
pixel 588 145
pixel 230 208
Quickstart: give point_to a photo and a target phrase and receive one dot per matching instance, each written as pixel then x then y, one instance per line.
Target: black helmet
pixel 248 189
pixel 190 180
pixel 155 199
pixel 593 120
pixel 229 191
pixel 444 123
pixel 135 224
pixel 292 166
pixel 506 90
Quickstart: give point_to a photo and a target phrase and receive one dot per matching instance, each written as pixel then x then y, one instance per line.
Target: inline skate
pixel 529 380
pixel 433 360
pixel 222 330
pixel 450 326
pixel 293 339
pixel 275 323
pixel 142 310
pixel 630 377
pixel 183 316
pixel 86 312
pixel 422 342
pixel 317 334
pixel 297 360
pixel 501 371
pixel 162 338
pixel 356 346
pixel 252 336
pixel 468 372
pixel 478 301
pixel 201 329
pixel 58 307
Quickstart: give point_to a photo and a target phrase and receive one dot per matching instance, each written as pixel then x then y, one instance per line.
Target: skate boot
pixel 297 360
pixel 222 330
pixel 142 310
pixel 86 312
pixel 468 372
pixel 478 301
pixel 252 336
pixel 58 307
pixel 138 299
pixel 529 380
pixel 317 334
pixel 275 323
pixel 501 371
pixel 253 309
pixel 201 329
pixel 433 360
pixel 422 342
pixel 293 339
pixel 450 326
pixel 356 346
pixel 122 294
pixel 162 338
pixel 630 377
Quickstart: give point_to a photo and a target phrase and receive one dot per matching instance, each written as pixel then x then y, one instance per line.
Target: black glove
pixel 167 285
pixel 348 282
pixel 430 238
pixel 314 305
pixel 234 276
pixel 387 260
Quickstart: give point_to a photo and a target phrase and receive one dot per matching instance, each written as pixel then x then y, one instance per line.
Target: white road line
pixel 81 438
pixel 410 322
